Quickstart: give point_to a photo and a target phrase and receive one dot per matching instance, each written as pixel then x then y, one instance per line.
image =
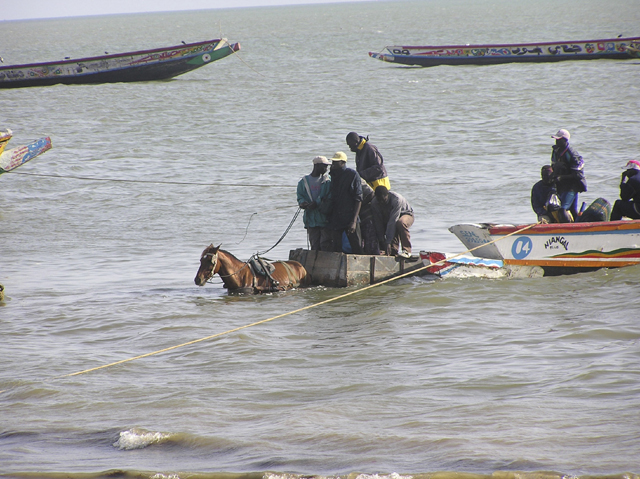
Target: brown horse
pixel 239 276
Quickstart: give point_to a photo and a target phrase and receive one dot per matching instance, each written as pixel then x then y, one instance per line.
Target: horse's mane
pixel 209 248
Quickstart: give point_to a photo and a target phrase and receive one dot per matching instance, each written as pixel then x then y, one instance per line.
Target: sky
pixel 30 9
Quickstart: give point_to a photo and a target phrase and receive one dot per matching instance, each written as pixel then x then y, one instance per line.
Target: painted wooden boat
pixel 426 56
pixel 15 157
pixel 144 65
pixel 447 265
pixel 556 248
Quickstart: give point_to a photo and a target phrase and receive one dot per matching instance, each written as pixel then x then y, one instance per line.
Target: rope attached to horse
pixel 315 305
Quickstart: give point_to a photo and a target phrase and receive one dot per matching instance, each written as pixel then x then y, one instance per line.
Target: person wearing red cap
pixel 568 171
pixel 629 203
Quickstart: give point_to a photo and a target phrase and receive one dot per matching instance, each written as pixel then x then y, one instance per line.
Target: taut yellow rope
pixel 315 305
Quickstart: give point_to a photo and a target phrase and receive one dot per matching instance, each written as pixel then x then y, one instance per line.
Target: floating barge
pixel 427 56
pixel 144 65
pixel 342 269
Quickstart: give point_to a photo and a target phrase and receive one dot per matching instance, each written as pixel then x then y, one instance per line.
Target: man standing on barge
pixel 346 200
pixel 369 161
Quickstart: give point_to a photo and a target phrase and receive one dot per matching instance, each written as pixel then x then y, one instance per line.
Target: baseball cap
pixel 562 134
pixel 321 160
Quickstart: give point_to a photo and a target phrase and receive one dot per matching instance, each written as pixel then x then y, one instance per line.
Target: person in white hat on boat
pixel 314 197
pixel 629 203
pixel 568 171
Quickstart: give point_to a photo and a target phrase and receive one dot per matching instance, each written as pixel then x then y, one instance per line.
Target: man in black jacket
pixel 346 200
pixel 369 161
pixel 541 194
pixel 629 203
pixel 568 170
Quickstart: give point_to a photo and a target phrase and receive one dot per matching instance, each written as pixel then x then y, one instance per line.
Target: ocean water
pixel 100 239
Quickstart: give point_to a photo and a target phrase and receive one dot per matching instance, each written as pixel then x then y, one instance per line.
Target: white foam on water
pixel 138 439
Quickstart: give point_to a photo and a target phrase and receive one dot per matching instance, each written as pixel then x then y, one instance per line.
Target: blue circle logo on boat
pixel 521 247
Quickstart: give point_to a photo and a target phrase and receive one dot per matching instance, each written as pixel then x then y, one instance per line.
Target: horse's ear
pixel 215 250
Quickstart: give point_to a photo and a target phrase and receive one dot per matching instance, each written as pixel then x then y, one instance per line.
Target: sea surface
pixel 100 239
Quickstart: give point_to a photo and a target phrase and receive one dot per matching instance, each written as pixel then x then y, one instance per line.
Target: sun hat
pixel 321 160
pixel 632 165
pixel 339 156
pixel 562 134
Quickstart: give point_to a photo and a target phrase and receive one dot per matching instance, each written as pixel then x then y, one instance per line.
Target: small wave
pixel 139 438
pixel 393 475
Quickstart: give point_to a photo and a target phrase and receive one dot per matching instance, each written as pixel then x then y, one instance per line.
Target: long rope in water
pixel 315 305
pixel 152 182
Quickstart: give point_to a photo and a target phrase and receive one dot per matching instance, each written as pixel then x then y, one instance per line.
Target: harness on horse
pixel 260 267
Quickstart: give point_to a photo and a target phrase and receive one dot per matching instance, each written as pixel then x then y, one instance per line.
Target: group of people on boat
pixel 354 211
pixel 555 197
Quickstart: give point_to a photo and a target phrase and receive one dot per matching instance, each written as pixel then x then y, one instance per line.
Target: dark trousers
pixel 355 240
pixel 624 208
pixel 320 239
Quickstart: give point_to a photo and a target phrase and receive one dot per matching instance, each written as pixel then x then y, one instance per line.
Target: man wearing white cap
pixel 568 171
pixel 314 198
pixel 629 203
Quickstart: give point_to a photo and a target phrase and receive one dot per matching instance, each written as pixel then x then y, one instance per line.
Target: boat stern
pixel 476 238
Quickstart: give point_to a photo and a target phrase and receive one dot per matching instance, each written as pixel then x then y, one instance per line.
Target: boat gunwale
pixel 490 45
pixel 114 55
pixel 566 228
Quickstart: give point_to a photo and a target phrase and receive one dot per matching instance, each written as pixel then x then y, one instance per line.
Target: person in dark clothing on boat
pixel 369 161
pixel 392 216
pixel 346 199
pixel 568 171
pixel 544 199
pixel 629 203
pixel 313 195
pixel 367 226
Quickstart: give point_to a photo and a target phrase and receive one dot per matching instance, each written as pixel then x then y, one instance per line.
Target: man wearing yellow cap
pixel 346 200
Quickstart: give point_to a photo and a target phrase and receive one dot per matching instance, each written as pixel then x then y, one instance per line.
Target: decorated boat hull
pixel 557 248
pixel 426 56
pixel 145 65
pixel 15 157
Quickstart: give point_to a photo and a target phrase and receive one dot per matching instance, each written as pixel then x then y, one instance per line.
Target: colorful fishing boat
pixel 15 157
pixel 556 248
pixel 446 265
pixel 427 56
pixel 144 65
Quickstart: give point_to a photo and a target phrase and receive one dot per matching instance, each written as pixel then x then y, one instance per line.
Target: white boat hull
pixel 577 246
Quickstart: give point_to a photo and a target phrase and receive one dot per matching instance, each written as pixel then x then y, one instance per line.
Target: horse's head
pixel 208 265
